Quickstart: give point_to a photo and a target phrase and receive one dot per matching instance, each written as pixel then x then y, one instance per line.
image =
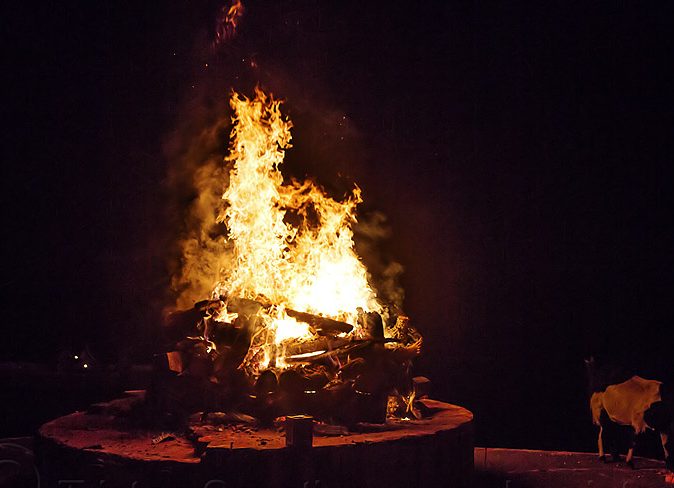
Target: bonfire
pixel 293 324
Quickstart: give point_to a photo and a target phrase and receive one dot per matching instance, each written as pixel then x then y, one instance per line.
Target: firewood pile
pixel 344 374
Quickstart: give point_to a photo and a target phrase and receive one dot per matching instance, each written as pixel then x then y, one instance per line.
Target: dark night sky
pixel 521 152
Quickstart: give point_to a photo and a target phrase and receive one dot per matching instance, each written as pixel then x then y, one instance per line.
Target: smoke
pixel 196 181
pixel 371 234
pixel 327 146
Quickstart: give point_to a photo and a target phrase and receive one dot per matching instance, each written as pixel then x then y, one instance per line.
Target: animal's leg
pixel 608 438
pixel 615 445
pixel 600 445
pixel 630 453
pixel 663 439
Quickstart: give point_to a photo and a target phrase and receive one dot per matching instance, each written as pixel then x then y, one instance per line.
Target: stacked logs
pixel 335 377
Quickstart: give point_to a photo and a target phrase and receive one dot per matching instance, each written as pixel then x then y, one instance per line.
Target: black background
pixel 522 154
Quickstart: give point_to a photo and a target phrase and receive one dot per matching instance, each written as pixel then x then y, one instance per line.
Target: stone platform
pixel 434 451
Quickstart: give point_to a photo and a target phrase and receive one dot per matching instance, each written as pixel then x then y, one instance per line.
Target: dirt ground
pixel 514 468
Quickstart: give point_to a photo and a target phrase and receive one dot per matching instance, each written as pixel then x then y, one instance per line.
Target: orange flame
pixel 292 243
pixel 228 21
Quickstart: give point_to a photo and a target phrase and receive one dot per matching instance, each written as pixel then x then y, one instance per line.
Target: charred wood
pixel 175 361
pixel 372 324
pixel 422 387
pixel 322 325
pixel 347 348
pixel 320 344
pixel 181 324
pixel 265 405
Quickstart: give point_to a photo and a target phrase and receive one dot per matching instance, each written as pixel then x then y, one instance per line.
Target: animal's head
pixel 601 374
pixel 659 417
pixel 591 372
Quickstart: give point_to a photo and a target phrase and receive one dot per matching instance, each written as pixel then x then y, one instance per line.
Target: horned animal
pixel 634 405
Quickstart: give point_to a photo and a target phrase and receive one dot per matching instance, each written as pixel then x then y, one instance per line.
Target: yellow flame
pixel 292 243
pixel 289 328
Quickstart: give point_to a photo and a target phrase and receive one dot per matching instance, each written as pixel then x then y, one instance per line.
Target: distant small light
pixel 85 365
pixel 206 65
pixel 76 357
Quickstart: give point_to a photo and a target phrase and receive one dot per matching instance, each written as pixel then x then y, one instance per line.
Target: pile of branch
pixel 336 377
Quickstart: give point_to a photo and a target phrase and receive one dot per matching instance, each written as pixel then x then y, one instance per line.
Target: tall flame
pixel 292 243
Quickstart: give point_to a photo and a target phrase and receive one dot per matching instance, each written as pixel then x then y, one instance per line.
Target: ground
pixel 515 468
pixel 494 468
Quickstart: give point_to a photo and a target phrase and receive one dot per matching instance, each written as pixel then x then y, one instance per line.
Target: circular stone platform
pixel 89 446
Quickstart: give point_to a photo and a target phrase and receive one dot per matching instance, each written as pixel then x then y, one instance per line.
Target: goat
pixel 635 404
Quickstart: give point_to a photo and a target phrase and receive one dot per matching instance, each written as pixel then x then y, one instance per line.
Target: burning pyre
pixel 292 326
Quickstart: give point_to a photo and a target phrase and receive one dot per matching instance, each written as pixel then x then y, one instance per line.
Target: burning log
pixel 190 353
pixel 406 353
pixel 372 324
pixel 377 372
pixel 317 377
pixel 210 307
pixel 317 345
pixel 347 348
pixel 352 369
pixel 232 341
pixel 186 323
pixel 181 324
pixel 322 325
